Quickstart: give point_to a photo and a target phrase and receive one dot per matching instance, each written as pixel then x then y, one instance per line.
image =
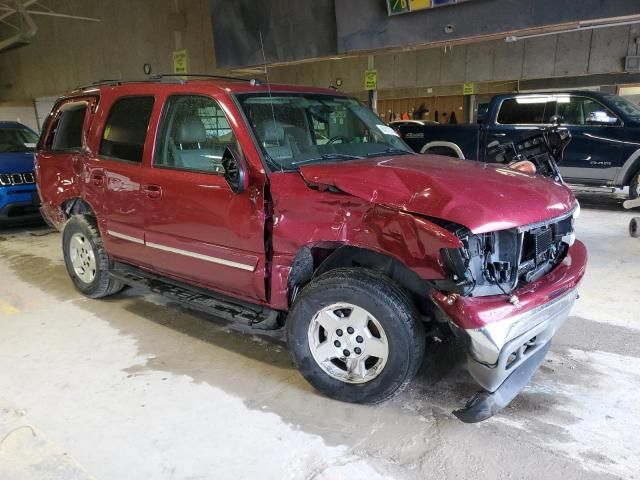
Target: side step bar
pixel 255 316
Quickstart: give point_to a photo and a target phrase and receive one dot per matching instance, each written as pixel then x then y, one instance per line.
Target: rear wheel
pixel 355 336
pixel 86 260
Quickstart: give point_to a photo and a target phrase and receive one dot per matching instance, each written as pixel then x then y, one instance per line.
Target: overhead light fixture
pixel 580 26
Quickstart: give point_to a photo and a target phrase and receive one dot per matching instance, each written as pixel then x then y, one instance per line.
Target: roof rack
pixel 167 77
pixel 162 76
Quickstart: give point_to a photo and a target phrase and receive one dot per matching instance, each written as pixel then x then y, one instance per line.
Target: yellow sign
pixel 419 4
pixel 469 88
pixel 370 79
pixel 180 61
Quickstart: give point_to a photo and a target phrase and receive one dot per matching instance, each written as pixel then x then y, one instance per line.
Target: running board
pixel 255 316
pixel 591 189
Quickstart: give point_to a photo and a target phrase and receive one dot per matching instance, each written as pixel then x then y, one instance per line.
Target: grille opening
pixel 19 211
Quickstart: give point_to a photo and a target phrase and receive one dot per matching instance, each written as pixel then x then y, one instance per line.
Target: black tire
pixel 390 306
pixel 102 284
pixel 634 186
pixel 634 225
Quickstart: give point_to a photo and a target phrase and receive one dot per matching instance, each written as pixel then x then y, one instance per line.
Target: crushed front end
pixel 507 294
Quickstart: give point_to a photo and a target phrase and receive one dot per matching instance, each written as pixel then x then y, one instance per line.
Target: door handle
pixel 498 134
pixel 152 191
pixel 97 179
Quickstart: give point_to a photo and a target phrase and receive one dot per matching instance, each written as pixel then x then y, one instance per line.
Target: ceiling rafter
pixel 20 14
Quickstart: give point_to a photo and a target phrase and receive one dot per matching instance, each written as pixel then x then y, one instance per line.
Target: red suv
pixel 297 207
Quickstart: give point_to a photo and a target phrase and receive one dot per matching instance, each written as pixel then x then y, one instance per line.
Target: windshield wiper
pixel 391 151
pixel 328 156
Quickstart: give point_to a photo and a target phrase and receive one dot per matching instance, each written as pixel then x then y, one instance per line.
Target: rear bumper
pixel 506 343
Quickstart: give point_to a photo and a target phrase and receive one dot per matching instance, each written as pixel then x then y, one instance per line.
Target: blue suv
pixel 19 201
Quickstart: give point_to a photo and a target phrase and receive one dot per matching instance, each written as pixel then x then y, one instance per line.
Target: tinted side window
pixel 194 135
pixel 597 114
pixel 525 111
pixel 126 129
pixel 67 133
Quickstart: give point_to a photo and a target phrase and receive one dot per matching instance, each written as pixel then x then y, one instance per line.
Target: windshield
pixel 627 107
pixel 17 139
pixel 298 129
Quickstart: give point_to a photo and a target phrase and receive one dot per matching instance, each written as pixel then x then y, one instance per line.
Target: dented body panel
pixel 481 197
pixel 309 217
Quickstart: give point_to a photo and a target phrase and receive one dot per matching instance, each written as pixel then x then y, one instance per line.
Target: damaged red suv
pixel 297 208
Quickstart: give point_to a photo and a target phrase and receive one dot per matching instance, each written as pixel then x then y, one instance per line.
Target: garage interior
pixel 137 386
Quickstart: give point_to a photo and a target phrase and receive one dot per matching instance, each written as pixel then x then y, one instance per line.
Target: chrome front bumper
pixel 498 349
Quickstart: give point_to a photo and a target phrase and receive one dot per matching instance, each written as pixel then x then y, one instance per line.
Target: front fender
pixel 305 218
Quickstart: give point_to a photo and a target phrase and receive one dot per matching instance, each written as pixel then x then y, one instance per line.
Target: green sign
pixel 469 88
pixel 370 79
pixel 397 6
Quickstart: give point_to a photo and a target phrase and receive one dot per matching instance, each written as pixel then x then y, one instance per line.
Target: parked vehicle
pixel 19 200
pixel 396 124
pixel 605 130
pixel 227 196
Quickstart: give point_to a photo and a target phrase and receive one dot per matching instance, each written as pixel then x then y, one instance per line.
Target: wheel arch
pixel 77 206
pixel 312 261
pixel 442 144
pixel 630 168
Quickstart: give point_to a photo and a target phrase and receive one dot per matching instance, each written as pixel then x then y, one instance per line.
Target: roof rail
pixel 165 77
pixel 106 82
pixel 162 76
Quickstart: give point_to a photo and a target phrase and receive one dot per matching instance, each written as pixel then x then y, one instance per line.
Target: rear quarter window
pixel 64 127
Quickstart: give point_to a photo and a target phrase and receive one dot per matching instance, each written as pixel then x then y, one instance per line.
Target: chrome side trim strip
pixel 199 256
pixel 122 236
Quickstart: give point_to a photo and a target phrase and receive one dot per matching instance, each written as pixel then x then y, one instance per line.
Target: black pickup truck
pixel 605 129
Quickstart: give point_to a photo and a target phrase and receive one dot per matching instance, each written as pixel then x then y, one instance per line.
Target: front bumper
pixel 19 204
pixel 506 340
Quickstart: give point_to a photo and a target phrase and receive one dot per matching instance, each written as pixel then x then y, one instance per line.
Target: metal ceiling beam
pixel 25 4
pixel 26 33
pixel 8 11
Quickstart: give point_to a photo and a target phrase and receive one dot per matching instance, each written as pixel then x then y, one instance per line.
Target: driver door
pixel 597 137
pixel 198 229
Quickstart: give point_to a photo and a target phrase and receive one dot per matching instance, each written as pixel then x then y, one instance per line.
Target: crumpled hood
pixel 481 197
pixel 16 162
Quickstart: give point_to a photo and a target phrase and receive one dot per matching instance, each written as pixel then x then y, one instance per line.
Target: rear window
pixel 126 129
pixel 526 111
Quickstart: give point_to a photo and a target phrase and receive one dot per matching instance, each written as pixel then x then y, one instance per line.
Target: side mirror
pixel 235 171
pixel 555 120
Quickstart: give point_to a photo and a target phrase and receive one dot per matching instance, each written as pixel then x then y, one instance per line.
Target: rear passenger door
pixel 114 176
pixel 197 229
pixel 63 147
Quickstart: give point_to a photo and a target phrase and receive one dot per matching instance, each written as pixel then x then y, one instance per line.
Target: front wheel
pixel 355 336
pixel 86 260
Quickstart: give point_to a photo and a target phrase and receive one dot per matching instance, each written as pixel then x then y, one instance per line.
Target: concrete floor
pixel 133 388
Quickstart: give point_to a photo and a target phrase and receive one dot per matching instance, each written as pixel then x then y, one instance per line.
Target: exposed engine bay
pixel 500 262
pixel 537 152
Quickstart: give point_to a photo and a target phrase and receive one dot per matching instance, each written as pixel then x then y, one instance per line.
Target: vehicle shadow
pixel 602 201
